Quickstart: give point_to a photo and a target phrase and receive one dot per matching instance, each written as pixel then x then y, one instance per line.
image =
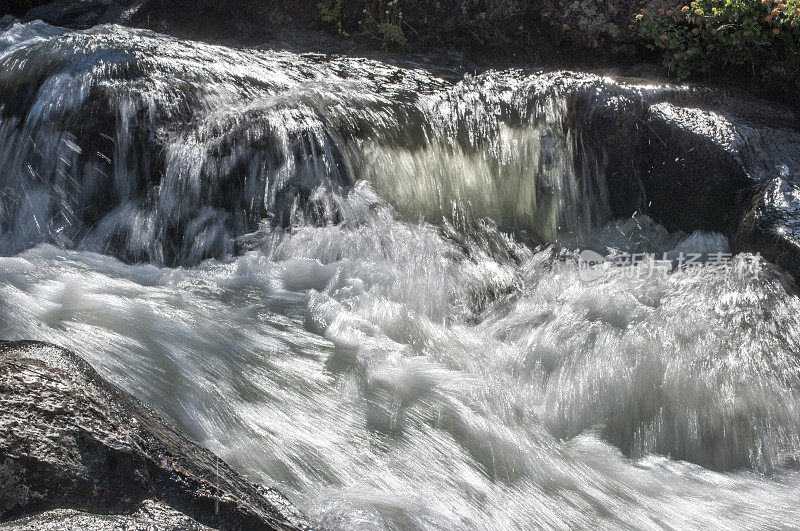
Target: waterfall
pixel 362 284
pixel 150 149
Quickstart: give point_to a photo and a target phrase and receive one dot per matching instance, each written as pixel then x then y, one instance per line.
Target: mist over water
pixel 360 284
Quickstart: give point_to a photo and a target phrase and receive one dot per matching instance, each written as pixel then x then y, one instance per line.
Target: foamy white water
pixel 349 322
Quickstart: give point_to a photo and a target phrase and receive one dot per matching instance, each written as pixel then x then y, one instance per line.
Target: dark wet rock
pixel 6 22
pixel 662 156
pixel 507 28
pixel 67 13
pixel 70 440
pixel 248 20
pixel 696 159
pixel 771 226
pixel 114 124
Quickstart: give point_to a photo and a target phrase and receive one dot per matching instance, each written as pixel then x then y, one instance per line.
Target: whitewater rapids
pixel 359 284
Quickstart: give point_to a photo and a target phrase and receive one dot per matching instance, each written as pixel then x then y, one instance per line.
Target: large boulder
pixel 79 15
pixel 71 441
pixel 252 21
pixel 694 158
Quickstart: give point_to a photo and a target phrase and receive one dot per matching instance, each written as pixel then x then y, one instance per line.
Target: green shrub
pixel 757 35
pixel 331 13
pixel 383 20
pixel 380 19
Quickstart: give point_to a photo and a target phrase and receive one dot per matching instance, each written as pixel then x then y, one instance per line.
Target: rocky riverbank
pixel 514 26
pixel 691 158
pixel 342 275
pixel 477 34
pixel 74 444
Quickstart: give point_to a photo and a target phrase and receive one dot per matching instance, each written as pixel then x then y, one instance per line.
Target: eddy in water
pixel 405 301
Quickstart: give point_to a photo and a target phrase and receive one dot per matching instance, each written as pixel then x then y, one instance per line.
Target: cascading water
pixel 356 282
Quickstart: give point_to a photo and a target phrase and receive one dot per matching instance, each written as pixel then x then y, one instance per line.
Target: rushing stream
pixel 360 283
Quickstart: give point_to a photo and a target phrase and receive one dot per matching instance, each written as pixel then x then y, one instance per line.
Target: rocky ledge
pixel 694 158
pixel 77 452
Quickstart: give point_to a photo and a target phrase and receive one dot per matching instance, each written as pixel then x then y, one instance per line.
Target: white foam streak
pixel 352 322
pixel 310 364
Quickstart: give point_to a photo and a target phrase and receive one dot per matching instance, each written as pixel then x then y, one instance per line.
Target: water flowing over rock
pixel 153 149
pixel 693 158
pixel 365 282
pixel 68 439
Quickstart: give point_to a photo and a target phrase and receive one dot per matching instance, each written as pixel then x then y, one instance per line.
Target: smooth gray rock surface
pixel 71 440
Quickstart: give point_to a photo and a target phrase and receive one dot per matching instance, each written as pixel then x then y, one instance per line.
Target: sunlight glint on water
pixel 350 324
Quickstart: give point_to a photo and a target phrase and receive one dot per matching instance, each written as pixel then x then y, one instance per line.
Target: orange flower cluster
pixel 781 8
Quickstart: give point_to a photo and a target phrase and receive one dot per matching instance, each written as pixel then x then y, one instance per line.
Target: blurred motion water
pixel 360 283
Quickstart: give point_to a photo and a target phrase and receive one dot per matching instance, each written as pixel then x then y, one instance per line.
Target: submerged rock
pixel 70 440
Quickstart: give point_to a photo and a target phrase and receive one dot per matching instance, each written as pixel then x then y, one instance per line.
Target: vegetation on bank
pixel 750 42
pixel 762 36
pixel 380 19
pixel 385 21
